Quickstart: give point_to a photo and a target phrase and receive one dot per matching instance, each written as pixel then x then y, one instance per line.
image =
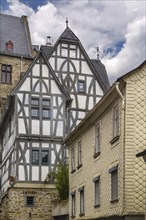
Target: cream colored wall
pixel 135 142
pixel 110 156
pixel 132 180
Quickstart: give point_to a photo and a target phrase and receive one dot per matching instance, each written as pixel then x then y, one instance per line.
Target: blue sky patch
pixel 114 50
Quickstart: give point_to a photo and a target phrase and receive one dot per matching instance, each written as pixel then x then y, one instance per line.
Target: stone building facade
pixel 14 208
pixel 16 53
pixel 107 180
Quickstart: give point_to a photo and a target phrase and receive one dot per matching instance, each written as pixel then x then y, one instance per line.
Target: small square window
pixel 46 113
pixel 35 112
pixel 46 102
pixel 81 86
pixel 30 201
pixel 35 101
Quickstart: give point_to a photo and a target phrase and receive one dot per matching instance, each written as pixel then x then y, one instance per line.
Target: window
pixel 45 156
pixel 73 159
pixel 35 107
pixel 73 200
pixel 79 154
pixel 46 108
pixel 114 183
pixel 96 191
pixel 81 86
pixel 35 156
pixel 97 139
pixel 82 205
pixel 6 74
pixel 116 121
pixel 30 201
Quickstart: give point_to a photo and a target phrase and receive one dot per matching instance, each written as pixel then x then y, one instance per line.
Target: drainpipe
pixel 123 145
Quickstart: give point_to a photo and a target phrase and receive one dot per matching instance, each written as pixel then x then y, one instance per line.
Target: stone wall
pixel 18 65
pixel 14 204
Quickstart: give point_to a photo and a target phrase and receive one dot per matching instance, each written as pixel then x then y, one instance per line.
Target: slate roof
pixel 101 72
pixel 46 50
pixel 68 35
pixel 16 30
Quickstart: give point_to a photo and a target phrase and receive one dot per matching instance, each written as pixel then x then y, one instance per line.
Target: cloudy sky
pixel 117 27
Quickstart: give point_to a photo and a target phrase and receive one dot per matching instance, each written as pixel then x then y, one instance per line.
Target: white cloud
pixel 102 23
pixel 133 52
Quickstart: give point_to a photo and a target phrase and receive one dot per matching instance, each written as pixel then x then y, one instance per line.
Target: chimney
pixel 49 41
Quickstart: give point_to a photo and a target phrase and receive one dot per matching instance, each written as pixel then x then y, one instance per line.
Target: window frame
pixel 82 201
pixel 96 191
pixel 83 90
pixel 79 146
pixel 73 204
pixel 46 108
pixel 47 162
pixel 5 72
pixel 73 159
pixel 97 147
pixel 33 201
pixel 34 162
pixel 114 184
pixel 116 121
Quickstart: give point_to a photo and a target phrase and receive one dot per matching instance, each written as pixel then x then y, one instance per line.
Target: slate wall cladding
pixel 135 141
pixel 13 206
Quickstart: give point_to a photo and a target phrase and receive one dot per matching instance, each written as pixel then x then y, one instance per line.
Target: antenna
pixel 67 22
pixel 98 52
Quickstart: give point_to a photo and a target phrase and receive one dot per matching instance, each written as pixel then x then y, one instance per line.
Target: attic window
pixel 9 45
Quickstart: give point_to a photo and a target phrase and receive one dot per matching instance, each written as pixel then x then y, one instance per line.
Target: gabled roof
pixel 16 30
pixel 101 72
pixel 47 50
pixel 97 69
pixel 52 72
pixel 68 35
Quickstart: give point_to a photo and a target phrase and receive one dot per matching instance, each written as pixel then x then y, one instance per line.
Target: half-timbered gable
pixel 77 75
pixel 36 135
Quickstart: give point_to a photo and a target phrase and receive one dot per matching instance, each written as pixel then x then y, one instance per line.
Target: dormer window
pixel 9 45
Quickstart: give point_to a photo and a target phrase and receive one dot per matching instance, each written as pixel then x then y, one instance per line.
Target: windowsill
pixel 114 200
pixel 73 171
pixel 79 166
pixel 115 139
pixel 96 154
pixel 82 214
pixel 97 206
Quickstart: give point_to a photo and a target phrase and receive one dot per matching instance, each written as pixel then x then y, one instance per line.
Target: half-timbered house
pixel 60 87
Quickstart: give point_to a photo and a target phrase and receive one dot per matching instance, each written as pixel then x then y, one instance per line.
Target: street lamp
pixel 143 155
